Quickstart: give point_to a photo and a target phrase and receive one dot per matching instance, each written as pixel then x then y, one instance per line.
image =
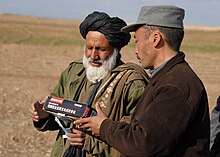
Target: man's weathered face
pixel 97 48
pixel 100 58
pixel 144 46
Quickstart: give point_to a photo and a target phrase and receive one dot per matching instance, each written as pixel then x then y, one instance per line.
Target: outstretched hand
pixel 92 124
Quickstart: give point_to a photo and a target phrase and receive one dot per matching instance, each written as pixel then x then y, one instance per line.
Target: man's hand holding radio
pixel 76 138
pixel 36 110
pixel 92 124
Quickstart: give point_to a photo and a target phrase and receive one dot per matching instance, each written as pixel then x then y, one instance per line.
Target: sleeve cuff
pixel 40 125
pixel 104 128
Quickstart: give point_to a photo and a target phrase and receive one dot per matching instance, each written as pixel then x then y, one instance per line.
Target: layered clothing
pixel 117 95
pixel 171 118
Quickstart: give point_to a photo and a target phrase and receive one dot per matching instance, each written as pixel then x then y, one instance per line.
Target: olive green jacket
pixel 117 96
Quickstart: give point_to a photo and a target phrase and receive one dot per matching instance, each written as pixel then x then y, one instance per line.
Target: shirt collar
pixel 154 71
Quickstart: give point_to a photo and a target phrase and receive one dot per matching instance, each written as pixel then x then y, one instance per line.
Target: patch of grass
pixel 201 41
pixel 40 41
pixel 197 48
pixel 50 41
pixel 198 41
pixel 36 31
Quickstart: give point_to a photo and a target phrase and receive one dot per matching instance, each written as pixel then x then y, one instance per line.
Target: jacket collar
pixel 180 57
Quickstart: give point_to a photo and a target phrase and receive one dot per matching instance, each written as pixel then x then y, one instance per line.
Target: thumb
pixel 44 100
pixel 98 109
pixel 38 105
pixel 101 114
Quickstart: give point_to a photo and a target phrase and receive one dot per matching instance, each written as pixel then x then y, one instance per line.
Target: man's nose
pixel 95 54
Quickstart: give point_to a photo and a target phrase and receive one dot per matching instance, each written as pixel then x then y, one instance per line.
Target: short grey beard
pixel 95 74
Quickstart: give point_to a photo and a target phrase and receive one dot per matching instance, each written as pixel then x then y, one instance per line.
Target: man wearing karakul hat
pixel 100 77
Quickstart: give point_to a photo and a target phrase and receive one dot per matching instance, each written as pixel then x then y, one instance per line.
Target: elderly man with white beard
pixel 99 78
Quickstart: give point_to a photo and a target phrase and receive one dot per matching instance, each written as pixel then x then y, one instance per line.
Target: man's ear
pixel 157 39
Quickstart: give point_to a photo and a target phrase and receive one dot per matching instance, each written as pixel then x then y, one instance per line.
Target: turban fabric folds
pixel 109 26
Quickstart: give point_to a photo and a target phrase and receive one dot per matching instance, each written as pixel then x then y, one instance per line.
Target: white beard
pixel 95 74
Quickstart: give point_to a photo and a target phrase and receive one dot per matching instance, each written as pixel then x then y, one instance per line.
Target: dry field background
pixel 33 53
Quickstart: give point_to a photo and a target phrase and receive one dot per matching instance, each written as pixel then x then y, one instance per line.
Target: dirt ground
pixel 27 73
pixel 30 72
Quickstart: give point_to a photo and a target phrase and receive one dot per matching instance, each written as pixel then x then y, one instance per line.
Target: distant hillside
pixel 38 31
pixel 46 31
